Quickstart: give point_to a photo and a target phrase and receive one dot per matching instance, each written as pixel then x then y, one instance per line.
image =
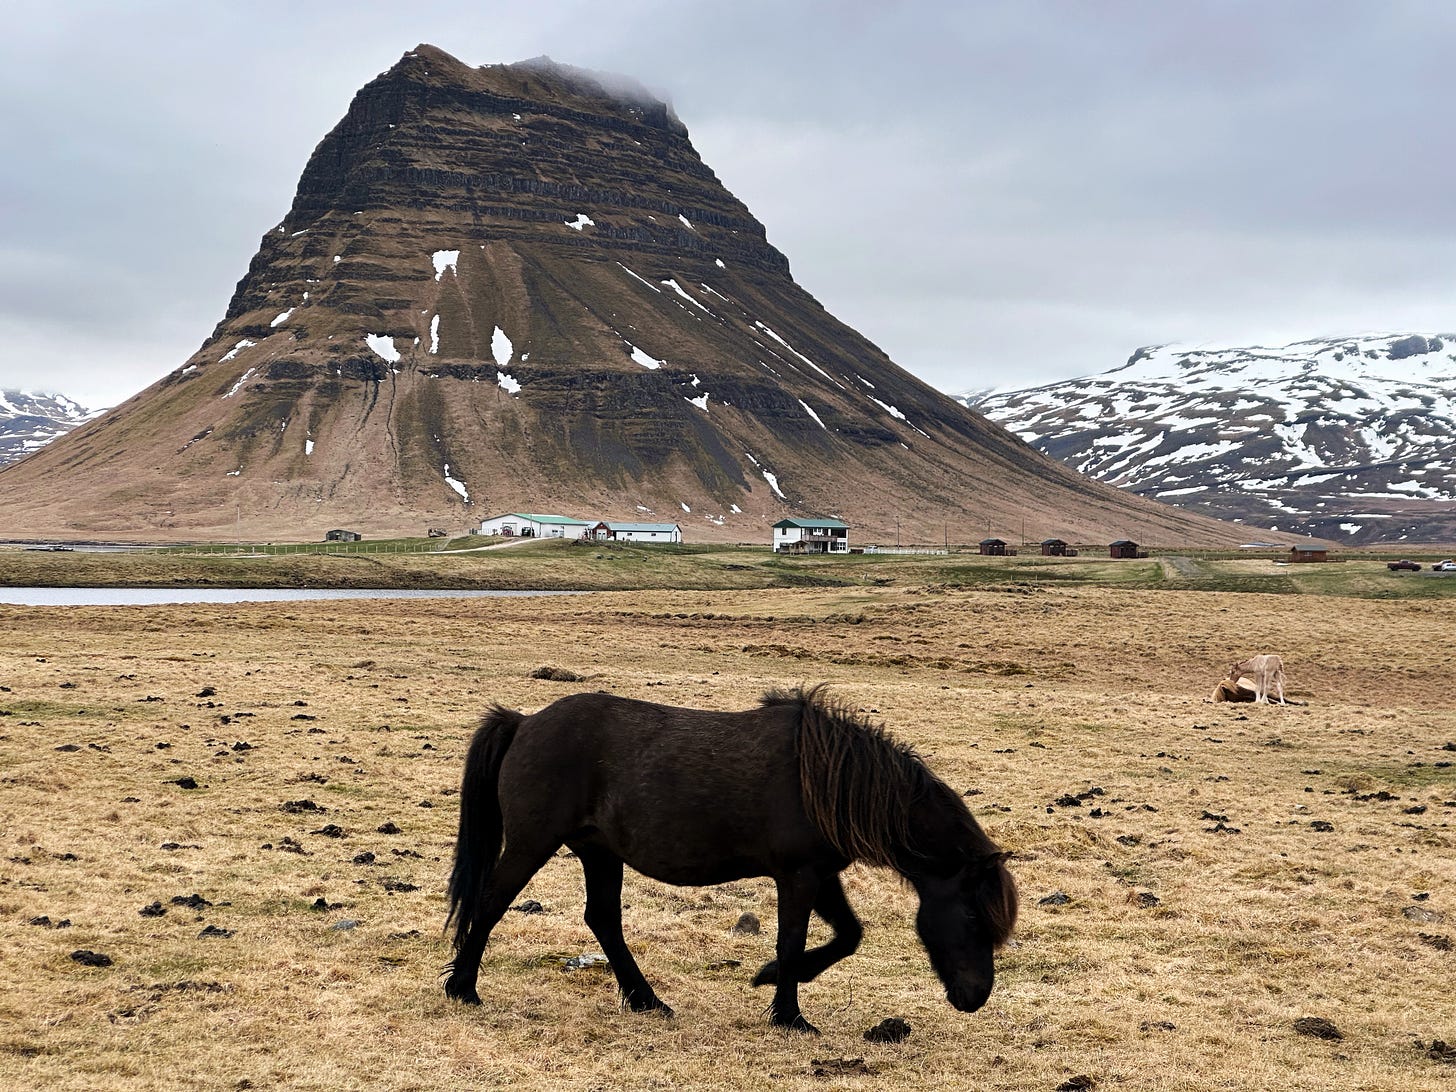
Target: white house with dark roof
pixel 617 531
pixel 811 536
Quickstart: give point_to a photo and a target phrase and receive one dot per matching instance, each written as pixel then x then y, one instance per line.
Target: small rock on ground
pixel 1318 1027
pixel 1420 913
pixel 556 674
pixel 892 1029
pixel 1441 1051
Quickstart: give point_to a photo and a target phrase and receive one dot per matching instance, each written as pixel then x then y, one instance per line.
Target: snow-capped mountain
pixel 1351 439
pixel 30 420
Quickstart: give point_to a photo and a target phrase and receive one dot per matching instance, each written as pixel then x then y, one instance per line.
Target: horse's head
pixel 964 917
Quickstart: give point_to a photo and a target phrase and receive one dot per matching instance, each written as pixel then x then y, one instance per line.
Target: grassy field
pixel 1226 871
pixel 474 563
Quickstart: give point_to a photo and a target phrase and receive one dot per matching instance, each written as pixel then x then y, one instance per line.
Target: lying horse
pixel 1266 671
pixel 796 789
pixel 1231 690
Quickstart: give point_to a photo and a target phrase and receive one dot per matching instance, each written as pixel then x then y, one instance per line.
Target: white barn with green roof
pixel 811 536
pixel 535 525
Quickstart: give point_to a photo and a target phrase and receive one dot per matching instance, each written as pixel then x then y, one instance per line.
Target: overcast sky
pixel 997 194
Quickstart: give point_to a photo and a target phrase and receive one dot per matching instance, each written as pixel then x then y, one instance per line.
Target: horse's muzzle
pixel 968 999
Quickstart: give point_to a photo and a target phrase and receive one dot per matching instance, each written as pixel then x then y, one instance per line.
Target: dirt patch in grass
pixel 1225 871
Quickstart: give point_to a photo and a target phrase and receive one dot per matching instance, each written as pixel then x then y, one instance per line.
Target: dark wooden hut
pixel 1308 553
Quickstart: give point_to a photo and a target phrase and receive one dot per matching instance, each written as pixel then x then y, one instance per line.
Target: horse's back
pixel 675 792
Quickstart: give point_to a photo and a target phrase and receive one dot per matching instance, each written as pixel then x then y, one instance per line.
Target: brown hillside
pixel 506 288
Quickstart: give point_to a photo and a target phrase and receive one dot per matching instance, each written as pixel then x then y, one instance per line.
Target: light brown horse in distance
pixel 1266 671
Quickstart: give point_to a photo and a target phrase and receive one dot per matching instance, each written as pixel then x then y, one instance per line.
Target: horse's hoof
pixel 466 995
pixel 649 1004
pixel 768 974
pixel 798 1023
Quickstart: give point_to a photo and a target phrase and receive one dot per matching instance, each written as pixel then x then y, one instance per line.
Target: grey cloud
pixel 987 189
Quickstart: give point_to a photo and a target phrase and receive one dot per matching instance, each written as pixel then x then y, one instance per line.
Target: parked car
pixel 1447 566
pixel 1408 566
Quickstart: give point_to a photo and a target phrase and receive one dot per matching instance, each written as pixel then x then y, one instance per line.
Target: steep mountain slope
pixel 512 288
pixel 1343 438
pixel 29 420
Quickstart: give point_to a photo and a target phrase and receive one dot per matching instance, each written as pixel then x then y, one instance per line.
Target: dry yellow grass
pixel 1240 868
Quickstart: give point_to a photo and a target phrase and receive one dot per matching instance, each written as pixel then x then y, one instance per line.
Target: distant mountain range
pixel 1351 439
pixel 29 420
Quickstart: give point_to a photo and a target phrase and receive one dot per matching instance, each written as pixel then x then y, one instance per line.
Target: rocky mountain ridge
pixel 1349 439
pixel 31 419
pixel 518 287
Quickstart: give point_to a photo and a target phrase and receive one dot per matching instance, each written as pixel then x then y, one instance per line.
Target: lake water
pixel 138 597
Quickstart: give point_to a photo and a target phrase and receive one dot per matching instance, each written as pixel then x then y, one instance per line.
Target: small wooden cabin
pixel 995 547
pixel 338 534
pixel 1055 547
pixel 1125 547
pixel 1308 553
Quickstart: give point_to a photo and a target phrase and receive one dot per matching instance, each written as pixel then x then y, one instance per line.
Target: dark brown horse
pixel 795 789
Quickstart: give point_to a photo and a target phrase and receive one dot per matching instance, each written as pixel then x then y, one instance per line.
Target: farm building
pixel 996 547
pixel 811 536
pixel 1125 547
pixel 1055 547
pixel 1308 553
pixel 534 525
pixel 614 531
pixel 341 535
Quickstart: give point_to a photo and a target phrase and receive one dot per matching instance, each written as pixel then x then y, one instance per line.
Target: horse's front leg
pixel 834 908
pixel 797 892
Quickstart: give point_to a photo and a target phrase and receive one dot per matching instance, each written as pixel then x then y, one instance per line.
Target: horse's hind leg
pixel 512 872
pixel 834 908
pixel 603 872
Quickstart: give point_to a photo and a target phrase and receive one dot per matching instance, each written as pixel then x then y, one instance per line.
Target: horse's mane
pixel 859 785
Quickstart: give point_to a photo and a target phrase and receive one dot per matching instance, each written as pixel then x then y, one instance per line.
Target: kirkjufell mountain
pixel 518 288
pixel 1349 439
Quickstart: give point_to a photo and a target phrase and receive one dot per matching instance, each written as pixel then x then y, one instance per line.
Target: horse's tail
pixel 478 846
